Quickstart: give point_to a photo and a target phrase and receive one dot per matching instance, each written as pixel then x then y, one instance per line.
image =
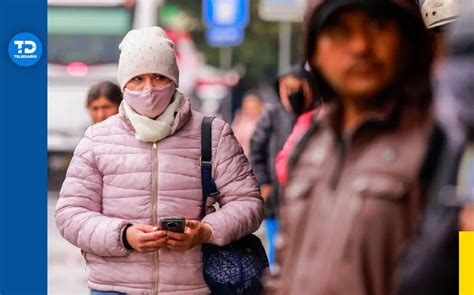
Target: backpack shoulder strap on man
pixel 209 188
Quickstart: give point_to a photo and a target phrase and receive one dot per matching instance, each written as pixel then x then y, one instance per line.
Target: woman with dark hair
pixel 103 101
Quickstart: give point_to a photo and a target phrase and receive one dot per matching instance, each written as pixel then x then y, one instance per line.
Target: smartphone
pixel 174 224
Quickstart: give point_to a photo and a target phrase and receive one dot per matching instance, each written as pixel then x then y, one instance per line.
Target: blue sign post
pixel 224 36
pixel 227 13
pixel 225 20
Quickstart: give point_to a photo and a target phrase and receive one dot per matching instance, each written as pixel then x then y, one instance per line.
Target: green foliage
pixel 258 54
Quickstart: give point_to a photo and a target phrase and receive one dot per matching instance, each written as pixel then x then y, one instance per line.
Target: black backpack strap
pixel 209 188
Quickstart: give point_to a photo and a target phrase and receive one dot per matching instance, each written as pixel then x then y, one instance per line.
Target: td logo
pixel 25 49
pixel 30 50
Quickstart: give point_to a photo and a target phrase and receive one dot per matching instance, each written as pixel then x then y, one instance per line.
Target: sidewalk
pixel 66 268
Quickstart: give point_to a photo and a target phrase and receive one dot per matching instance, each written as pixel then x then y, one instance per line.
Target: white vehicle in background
pixel 83 38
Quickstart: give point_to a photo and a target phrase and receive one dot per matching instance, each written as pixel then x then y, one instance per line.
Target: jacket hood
pixel 299 71
pixel 296 70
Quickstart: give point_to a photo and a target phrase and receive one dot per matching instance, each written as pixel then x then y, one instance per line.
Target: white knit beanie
pixel 145 51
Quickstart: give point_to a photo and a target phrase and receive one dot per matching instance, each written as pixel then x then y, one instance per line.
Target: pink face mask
pixel 150 102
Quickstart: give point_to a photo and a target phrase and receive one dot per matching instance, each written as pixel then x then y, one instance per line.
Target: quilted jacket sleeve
pixel 241 206
pixel 78 211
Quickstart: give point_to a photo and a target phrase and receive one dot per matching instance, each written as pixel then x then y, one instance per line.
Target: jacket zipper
pixel 154 217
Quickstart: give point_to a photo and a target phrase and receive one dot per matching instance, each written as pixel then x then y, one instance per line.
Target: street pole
pixel 284 55
pixel 142 8
pixel 225 58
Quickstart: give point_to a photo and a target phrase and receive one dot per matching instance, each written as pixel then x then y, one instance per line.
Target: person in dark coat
pixel 271 133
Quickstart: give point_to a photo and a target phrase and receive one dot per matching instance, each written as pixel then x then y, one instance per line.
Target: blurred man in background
pixel 353 196
pixel 103 101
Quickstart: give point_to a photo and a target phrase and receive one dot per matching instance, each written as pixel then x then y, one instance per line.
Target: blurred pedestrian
pixel 144 164
pixel 246 119
pixel 353 195
pixel 103 101
pixel 270 135
pixel 431 261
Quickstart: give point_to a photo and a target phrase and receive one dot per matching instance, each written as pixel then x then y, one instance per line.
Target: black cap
pixel 330 7
pixel 408 12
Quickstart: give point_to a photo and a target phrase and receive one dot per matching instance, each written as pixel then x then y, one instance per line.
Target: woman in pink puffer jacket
pixel 143 164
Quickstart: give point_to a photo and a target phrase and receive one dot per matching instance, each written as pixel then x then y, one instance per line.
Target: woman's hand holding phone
pixel 145 238
pixel 195 233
